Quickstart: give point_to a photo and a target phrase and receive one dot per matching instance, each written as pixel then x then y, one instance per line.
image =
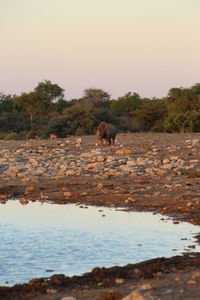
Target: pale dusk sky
pixel 143 46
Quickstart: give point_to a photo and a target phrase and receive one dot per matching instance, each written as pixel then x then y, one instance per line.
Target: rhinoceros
pixel 106 131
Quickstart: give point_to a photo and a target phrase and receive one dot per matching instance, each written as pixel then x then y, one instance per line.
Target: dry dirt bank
pixel 154 172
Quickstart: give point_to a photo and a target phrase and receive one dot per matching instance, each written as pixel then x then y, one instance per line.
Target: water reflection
pixel 37 238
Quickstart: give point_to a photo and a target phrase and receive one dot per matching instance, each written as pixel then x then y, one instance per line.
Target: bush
pixel 11 136
pixel 183 122
pixel 158 126
pixel 2 134
pixel 43 133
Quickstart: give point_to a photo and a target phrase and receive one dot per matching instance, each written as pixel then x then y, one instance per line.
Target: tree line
pixel 45 110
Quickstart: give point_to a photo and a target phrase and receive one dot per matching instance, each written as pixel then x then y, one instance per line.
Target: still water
pixel 41 239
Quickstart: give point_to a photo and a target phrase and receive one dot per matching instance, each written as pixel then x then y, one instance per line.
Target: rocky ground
pixel 154 172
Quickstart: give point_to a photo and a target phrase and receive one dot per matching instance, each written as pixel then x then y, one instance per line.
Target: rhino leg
pixel 113 141
pixel 109 141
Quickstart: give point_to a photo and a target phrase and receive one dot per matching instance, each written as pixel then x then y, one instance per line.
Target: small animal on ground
pixel 106 132
pixel 53 136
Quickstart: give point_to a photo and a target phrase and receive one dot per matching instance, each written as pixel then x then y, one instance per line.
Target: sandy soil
pixel 162 188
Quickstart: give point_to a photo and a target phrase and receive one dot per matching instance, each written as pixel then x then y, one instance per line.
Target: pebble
pixel 146 286
pixel 167 292
pixel 51 291
pixel 23 201
pixel 67 194
pixel 195 275
pixel 30 188
pixel 192 282
pixel 177 278
pixel 195 142
pixel 68 298
pixel 119 281
pixel 135 295
pixel 123 152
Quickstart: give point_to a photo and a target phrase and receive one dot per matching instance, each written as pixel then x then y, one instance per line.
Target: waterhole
pixel 42 239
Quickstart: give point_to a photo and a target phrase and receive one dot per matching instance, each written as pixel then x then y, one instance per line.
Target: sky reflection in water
pixel 66 239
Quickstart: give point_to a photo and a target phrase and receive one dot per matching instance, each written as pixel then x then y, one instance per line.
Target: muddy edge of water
pixel 144 172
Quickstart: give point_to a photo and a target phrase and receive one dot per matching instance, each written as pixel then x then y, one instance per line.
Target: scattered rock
pixel 112 296
pixel 119 281
pixel 146 286
pixel 23 201
pixel 195 142
pixel 192 282
pixel 30 188
pixel 135 295
pixel 51 291
pixel 68 298
pixel 68 194
pixel 123 152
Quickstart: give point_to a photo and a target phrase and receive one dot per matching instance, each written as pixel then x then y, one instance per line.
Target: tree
pixel 30 104
pixel 78 120
pixel 126 104
pixel 183 122
pixel 38 101
pixel 196 89
pixel 193 121
pixel 174 93
pixel 94 98
pixel 183 105
pixel 58 125
pixel 150 116
pixel 49 92
pixel 7 103
pixel 60 105
pixel 13 121
pixel 181 100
